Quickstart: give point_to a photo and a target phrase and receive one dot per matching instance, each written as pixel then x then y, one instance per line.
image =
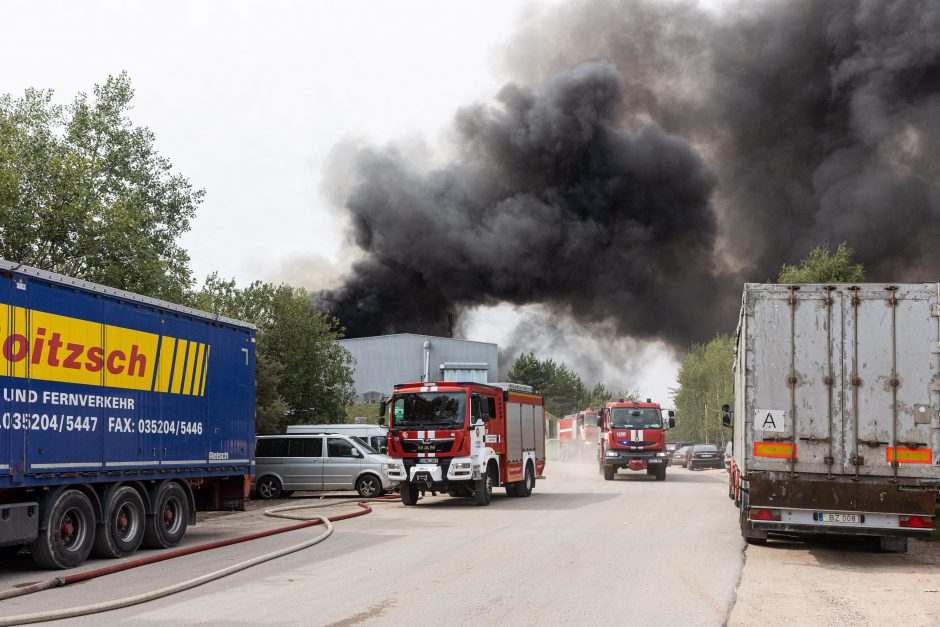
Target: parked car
pixel 375 435
pixel 284 463
pixel 728 457
pixel 704 456
pixel 679 457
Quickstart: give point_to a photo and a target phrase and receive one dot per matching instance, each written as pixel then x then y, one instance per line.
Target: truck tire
pixel 524 489
pixel 69 535
pixel 167 526
pixel 122 530
pixel 661 473
pixel 512 489
pixel 409 493
pixel 268 488
pixel 483 488
pixel 892 545
pixel 369 486
pixel 609 472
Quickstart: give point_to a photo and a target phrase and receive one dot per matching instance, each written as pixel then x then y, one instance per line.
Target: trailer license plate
pixel 836 517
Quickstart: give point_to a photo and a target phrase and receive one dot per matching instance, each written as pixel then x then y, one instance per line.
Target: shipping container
pixel 836 408
pixel 120 416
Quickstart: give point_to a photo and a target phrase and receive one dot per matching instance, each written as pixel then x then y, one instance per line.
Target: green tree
pixel 705 384
pixel 563 390
pixel 303 374
pixel 83 192
pixel 599 395
pixel 824 266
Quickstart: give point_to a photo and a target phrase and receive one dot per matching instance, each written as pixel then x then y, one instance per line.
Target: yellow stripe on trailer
pixel 909 455
pixel 774 449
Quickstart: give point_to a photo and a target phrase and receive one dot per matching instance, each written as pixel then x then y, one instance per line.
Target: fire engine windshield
pixel 429 410
pixel 638 418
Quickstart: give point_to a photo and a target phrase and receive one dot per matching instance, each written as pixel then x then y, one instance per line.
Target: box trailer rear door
pixel 793 415
pixel 891 361
pixel 842 379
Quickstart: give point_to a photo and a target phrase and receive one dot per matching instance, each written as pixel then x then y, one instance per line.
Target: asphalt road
pixel 581 550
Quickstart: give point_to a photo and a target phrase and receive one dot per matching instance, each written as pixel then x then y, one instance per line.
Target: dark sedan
pixel 704 456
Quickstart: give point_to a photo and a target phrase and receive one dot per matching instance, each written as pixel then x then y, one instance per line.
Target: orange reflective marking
pixel 774 449
pixel 909 455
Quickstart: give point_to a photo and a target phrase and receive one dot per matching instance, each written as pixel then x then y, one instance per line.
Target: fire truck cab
pixel 465 439
pixel 634 437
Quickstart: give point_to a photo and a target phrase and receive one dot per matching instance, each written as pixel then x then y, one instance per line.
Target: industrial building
pixel 384 360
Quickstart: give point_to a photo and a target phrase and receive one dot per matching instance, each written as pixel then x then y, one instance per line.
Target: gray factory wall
pixel 383 361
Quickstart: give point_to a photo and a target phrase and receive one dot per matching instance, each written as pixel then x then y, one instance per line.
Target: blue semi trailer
pixel 120 416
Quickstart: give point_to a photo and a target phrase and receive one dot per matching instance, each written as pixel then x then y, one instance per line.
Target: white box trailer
pixel 837 396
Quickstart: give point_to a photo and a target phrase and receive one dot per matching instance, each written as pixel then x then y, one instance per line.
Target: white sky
pixel 247 99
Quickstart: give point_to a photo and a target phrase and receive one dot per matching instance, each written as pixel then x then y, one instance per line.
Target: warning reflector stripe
pixel 909 455
pixel 774 449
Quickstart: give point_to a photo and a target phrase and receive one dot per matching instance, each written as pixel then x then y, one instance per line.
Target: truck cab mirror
pixel 382 419
pixel 726 415
pixel 383 406
pixel 672 422
pixel 672 413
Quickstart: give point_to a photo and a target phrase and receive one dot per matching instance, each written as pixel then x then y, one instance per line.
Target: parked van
pixel 374 435
pixel 289 462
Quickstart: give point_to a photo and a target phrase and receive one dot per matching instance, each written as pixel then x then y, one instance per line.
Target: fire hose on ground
pixel 276 512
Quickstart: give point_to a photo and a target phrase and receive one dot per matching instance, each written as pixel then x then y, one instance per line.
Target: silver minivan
pixel 284 463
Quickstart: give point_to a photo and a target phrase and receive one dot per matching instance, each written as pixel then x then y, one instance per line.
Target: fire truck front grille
pixel 427 446
pixel 630 443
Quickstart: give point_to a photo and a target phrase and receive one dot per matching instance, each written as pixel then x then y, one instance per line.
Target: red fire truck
pixel 465 439
pixel 578 435
pixel 634 436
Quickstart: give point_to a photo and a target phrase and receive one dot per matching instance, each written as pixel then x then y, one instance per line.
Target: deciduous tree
pixel 84 192
pixel 303 374
pixel 824 266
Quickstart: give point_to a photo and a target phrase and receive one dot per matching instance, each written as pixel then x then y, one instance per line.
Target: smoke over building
pixel 648 157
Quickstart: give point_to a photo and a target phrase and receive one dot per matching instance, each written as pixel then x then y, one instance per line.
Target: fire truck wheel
pixel 483 488
pixel 409 493
pixel 123 528
pixel 528 482
pixel 609 472
pixel 69 534
pixel 511 489
pixel 661 473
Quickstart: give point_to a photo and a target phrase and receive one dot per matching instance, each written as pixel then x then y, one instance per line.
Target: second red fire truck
pixel 578 435
pixel 633 436
pixel 465 439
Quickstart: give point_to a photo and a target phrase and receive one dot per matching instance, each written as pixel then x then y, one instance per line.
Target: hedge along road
pixel 581 550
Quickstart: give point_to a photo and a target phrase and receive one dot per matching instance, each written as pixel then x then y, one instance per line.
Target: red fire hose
pixel 277 512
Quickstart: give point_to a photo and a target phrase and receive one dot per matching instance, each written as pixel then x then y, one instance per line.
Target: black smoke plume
pixel 648 157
